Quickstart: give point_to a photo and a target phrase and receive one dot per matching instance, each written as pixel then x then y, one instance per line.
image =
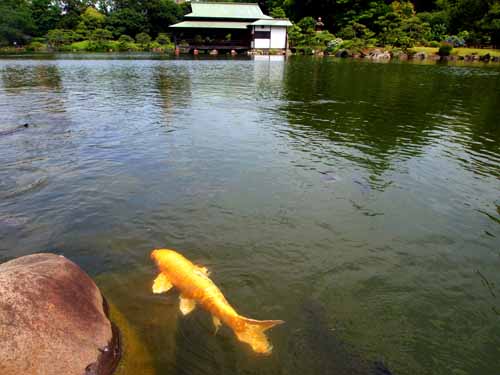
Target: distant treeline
pixel 400 24
pixel 23 20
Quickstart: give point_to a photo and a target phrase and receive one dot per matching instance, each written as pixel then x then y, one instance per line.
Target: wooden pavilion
pixel 230 26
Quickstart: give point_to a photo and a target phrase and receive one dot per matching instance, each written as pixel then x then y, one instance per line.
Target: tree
pixel 401 27
pixel 400 23
pixel 127 21
pixel 93 19
pixel 143 39
pixel 295 36
pixel 46 15
pixel 160 14
pixel 71 12
pixel 307 25
pixel 356 30
pixel 59 37
pixel 98 39
pixel 16 22
pixel 185 7
pixel 277 12
pixel 490 23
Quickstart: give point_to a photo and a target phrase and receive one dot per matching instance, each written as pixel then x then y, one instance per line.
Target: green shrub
pixel 355 45
pixel 333 45
pixel 445 50
pixel 143 39
pixel 308 51
pixel 434 44
pixel 36 47
pixel 58 37
pixel 65 48
pixel 125 39
pixel 405 43
pixel 79 46
pixel 38 39
pixel 99 40
pixel 100 36
pixel 163 39
pixel 125 43
pixel 277 12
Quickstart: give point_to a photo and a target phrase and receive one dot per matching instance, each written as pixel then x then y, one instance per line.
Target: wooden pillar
pixel 270 36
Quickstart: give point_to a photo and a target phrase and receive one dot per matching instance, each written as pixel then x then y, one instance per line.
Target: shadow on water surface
pixel 316 347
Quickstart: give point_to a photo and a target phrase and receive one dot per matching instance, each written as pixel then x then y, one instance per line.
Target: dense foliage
pixel 97 21
pixel 359 23
pixel 398 23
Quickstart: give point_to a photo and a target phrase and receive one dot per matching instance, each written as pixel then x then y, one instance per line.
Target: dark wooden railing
pixel 216 44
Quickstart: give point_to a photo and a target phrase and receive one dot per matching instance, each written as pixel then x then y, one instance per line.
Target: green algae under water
pixel 359 202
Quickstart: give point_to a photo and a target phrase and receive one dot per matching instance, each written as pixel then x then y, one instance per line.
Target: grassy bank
pixel 108 46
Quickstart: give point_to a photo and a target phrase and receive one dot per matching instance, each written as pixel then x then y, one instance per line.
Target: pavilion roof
pixel 272 22
pixel 250 11
pixel 211 25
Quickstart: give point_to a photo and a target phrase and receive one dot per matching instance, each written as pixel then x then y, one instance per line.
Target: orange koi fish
pixel 196 288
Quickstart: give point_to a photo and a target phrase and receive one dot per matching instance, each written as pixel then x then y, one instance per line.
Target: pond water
pixel 359 202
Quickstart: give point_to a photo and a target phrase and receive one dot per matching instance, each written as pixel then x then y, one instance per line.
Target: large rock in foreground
pixel 53 320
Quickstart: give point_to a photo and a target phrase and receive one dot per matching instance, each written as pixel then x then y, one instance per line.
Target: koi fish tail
pixel 253 334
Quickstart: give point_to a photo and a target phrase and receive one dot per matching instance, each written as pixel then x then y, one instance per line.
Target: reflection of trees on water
pixel 19 78
pixel 174 86
pixel 32 94
pixel 379 114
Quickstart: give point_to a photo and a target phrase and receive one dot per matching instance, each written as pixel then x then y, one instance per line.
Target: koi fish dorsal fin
pixel 187 305
pixel 161 284
pixel 203 270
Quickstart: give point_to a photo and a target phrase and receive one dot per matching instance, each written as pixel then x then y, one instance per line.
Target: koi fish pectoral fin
pixel 187 305
pixel 161 284
pixel 217 323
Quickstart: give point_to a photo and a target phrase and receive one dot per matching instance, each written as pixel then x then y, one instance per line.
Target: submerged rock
pixel 377 54
pixel 485 58
pixel 53 320
pixel 343 53
pixel 420 56
pixel 148 322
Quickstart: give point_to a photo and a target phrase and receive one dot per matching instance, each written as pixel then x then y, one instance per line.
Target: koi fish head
pixel 166 259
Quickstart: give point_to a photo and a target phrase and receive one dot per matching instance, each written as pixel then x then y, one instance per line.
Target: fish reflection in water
pixel 317 349
pixel 197 288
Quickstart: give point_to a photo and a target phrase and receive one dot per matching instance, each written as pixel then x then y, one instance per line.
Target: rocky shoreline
pixel 380 54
